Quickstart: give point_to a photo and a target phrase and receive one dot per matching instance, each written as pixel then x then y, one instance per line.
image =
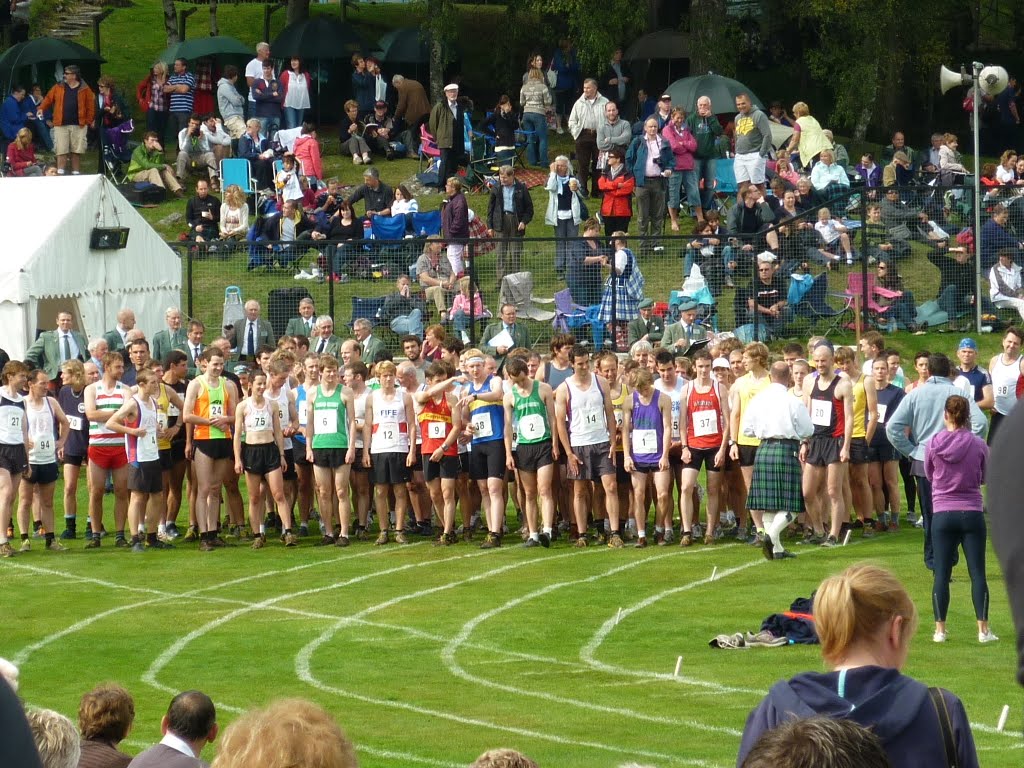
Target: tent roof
pixel 47 252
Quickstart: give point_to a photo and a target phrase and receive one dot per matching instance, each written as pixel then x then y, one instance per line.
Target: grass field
pixel 429 657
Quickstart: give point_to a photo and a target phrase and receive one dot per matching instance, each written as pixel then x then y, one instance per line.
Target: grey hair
pixel 590 80
pixel 262 47
pixel 324 319
pixel 397 80
pixel 641 346
pixel 251 122
pixel 172 310
pixel 362 322
pixel 94 343
pixel 566 160
pixel 56 738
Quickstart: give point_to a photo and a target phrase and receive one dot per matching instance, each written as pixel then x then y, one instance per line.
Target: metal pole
pixel 470 260
pixel 977 67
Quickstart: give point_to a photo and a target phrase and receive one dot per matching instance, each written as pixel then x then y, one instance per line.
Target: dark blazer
pixel 45 352
pixel 102 754
pixel 162 756
pixel 263 334
pixel 455 217
pixel 522 204
pixel 653 329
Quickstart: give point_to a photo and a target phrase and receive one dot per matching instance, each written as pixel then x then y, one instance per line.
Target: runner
pixel 440 421
pixel 172 446
pixel 72 455
pixel 262 458
pixel 279 368
pixel 706 426
pixel 743 448
pixel 486 423
pixel 529 405
pixel 359 477
pixel 606 364
pixel 419 496
pixel 139 420
pixel 671 384
pixel 106 450
pixel 1005 368
pixel 389 423
pixel 330 422
pixel 310 377
pixel 883 471
pixel 865 424
pixel 588 442
pixel 646 439
pixel 829 399
pixel 14 444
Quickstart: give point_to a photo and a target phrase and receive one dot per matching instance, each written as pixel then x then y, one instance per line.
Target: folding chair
pixel 428 148
pixel 568 314
pixel 236 170
pixel 367 309
pixel 426 223
pixel 814 306
pixel 725 184
pixel 855 285
pixel 393 251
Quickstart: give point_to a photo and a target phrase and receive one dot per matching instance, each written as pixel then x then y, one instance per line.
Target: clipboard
pixel 696 347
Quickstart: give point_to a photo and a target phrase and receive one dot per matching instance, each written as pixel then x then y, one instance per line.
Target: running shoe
pixel 580 543
pixel 259 542
pixel 686 540
pixel 326 541
pixel 68 534
pixel 783 555
pixel 987 637
pixel 56 546
pixel 205 545
pixel 531 543
pixel 830 542
pixel 641 542
pixel 6 550
pixel 26 545
pixel 382 539
pixel 615 541
pixel 545 540
pixel 159 544
pixel 291 540
pixel 940 637
pixel 400 538
pixel 342 541
pixel 92 543
pixel 138 547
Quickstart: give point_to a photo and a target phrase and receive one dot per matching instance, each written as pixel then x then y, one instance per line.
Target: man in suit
pixel 447 126
pixel 509 210
pixel 116 336
pixel 171 337
pixel 369 345
pixel 647 327
pixel 251 333
pixel 679 336
pixel 325 342
pixel 53 348
pixel 193 346
pixel 305 323
pixel 189 725
pixel 520 336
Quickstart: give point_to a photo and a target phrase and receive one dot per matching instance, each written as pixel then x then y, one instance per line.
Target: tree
pixel 298 10
pixel 596 33
pixel 714 39
pixel 170 22
pixel 440 26
pixel 214 26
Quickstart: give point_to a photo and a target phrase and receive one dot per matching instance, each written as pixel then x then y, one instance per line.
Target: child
pixel 289 181
pixel 459 313
pixel 832 231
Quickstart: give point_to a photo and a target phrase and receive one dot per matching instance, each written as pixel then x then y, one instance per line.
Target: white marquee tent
pixel 47 266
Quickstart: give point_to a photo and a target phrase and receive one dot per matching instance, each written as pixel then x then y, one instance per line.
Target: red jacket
pixel 20 159
pixel 86 105
pixel 618 193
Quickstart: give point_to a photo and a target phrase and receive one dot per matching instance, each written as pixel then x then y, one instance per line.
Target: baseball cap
pixel 720 362
pixel 666 97
pixel 240 370
pixel 968 343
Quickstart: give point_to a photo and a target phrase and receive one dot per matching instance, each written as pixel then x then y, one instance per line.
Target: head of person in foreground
pixel 818 742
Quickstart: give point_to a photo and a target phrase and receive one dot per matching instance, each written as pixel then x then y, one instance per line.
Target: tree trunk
pixel 706 25
pixel 298 10
pixel 170 22
pixel 436 71
pixel 214 26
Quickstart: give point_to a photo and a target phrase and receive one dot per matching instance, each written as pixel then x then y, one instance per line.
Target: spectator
pixel 535 99
pixel 753 137
pixel 518 331
pixel 289 181
pixel 751 220
pixel 255 147
pixel 413 106
pixel 455 222
pixel 42 127
pixel 899 144
pixel 615 82
pixel 617 184
pixel 404 202
pixel 895 211
pixel 662 113
pixel 784 170
pixel 341 229
pixel 1006 171
pixel 202 214
pixel 434 272
pixel 194 151
pixel 806 197
pixel 956 286
pixel 74 110
pixel 584 120
pixel 286 227
pixel 583 268
pixel 996 236
pixel 105 717
pixel 818 742
pixel 624 289
pixel 381 131
pixel 1004 281
pixel 287 733
pixel 268 95
pixel 808 138
pixel 352 140
pixel 930 160
pixel 647 327
pixel 233 214
pixel 148 164
pixel 767 297
pixel 503 758
pixel 567 70
pixel 254 71
pixel 707 130
pixel 190 723
pixel 869 171
pixel 295 84
pixel 865 620
pixel 380 83
pixel 882 244
pixel 447 125
pixel 899 172
pixel 14 114
pixel 55 737
pixel 460 310
pixel 180 89
pixel 218 138
pixel 841 155
pixel 901 307
pixel 402 310
pixel 113 110
pixel 829 177
pixel 778 114
pixel 19 747
pixel 612 131
pixel 307 152
pixel 949 158
pixel 376 195
pixel 832 231
pixel 683 178
pixel 363 81
pixel 153 100
pixel 564 211
pixel 650 160
pixel 230 102
pixel 21 155
pixel 509 211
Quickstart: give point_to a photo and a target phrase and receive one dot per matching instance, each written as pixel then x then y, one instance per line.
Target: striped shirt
pixel 182 102
pixel 109 401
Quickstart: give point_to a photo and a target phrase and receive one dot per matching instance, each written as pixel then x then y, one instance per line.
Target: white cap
pixel 720 362
pixel 451 87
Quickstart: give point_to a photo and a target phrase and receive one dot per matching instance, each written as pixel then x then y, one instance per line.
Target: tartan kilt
pixel 777 482
pixel 627 306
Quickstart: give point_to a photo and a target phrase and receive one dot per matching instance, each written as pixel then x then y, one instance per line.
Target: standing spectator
pixel 612 131
pixel 564 211
pixel 194 151
pixel 615 81
pixel 535 99
pixel 74 110
pixel 380 83
pixel 148 164
pixel 254 71
pixel 269 97
pixel 584 119
pixel 362 84
pixel 412 108
pixel 509 210
pixel 230 102
pixel 583 270
pixel 504 123
pixel 808 138
pixel 448 126
pixel 683 145
pixel 567 75
pixel 455 222
pixel 15 114
pixel 650 161
pixel 706 129
pixel 623 291
pixel 153 101
pixel 181 88
pixel 295 83
pixel 753 135
pixel 955 465
pixel 41 127
pixel 617 184
pixel 307 152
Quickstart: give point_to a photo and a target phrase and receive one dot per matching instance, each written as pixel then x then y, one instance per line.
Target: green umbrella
pixel 203 47
pixel 403 46
pixel 721 90
pixel 43 50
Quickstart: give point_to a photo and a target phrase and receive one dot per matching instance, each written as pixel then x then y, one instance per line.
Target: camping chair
pixel 517 289
pixel 426 223
pixel 393 250
pixel 236 170
pixel 813 303
pixel 855 291
pixel 428 148
pixel 286 138
pixel 568 314
pixel 114 164
pixel 367 309
pixel 725 185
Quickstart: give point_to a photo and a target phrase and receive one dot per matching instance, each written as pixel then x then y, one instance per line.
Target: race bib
pixel 675 426
pixel 482 425
pixel 436 430
pixel 1001 391
pixel 531 426
pixel 149 440
pixel 881 413
pixel 387 433
pixel 326 421
pixel 172 410
pixel 618 417
pixel 591 417
pixel 75 422
pixel 821 413
pixel 645 441
pixel 258 421
pixel 14 421
pixel 216 410
pixel 161 420
pixel 44 444
pixel 303 407
pixel 705 423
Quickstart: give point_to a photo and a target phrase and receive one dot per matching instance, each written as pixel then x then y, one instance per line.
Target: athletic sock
pixel 547 532
pixel 161 528
pixel 119 534
pixel 24 537
pixel 49 538
pixel 641 533
pixel 535 536
pixel 36 525
pixel 263 530
pixel 151 539
pixel 69 523
pixel 136 540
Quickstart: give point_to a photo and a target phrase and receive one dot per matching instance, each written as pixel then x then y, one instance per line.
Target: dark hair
pixel 229 71
pixel 818 742
pixel 106 713
pixel 664 357
pixel 702 354
pixel 516 366
pixel 959 410
pixel 453 345
pixel 793 347
pixel 308 127
pixel 174 357
pixel 358 368
pixel 578 350
pixel 191 715
pixel 182 60
pixel 922 353
pixel 436 371
pixel 410 337
pixel 938 365
pixel 1015 331
pixel 504 99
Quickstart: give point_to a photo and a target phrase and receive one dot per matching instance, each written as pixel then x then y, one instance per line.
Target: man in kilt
pixel 781 423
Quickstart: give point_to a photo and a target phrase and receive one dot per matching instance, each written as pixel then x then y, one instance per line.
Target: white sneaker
pixel 26 545
pixel 919 523
pixel 357 160
pixel 940 637
pixel 987 637
pixel 560 130
pixel 303 275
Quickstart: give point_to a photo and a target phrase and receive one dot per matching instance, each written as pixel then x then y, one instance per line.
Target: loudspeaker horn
pixel 950 79
pixel 993 80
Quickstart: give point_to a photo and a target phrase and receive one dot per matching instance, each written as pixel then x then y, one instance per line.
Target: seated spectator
pixel 105 717
pixel 268 96
pixel 990 184
pixel 402 310
pixel 1004 282
pixel 899 172
pixel 21 155
pixel 41 126
pixel 434 273
pixel 234 214
pixel 996 236
pixel 806 197
pixel 375 194
pixel 869 170
pixel 380 132
pixel 766 297
pixel 286 734
pixel 460 310
pixel 307 152
pixel 748 222
pixel 648 327
pixel 777 114
pixel 217 137
pixel 351 130
pixel 784 170
pixel 895 211
pixel 289 181
pixel 148 164
pixel 285 227
pixel 404 202
pixel 701 250
pixel 955 296
pixel 928 231
pixel 841 155
pixel 828 177
pixel 901 308
pixel 194 151
pixel 1006 171
pixel 328 198
pixel 55 737
pixel 930 160
pixel 899 144
pixel 189 725
pixel 949 158
pixel 790 209
pixel 256 148
pixel 832 233
pixel 583 266
pixel 202 213
pixel 881 243
pixel 818 742
pixel 340 229
pixel 230 102
pixel 617 185
pixel 503 758
pixel 503 123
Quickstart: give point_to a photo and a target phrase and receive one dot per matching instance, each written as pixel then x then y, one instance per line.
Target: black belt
pixel 651 178
pixel 780 440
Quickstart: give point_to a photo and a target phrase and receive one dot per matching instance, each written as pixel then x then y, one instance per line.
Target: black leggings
pixel 909 484
pixel 949 531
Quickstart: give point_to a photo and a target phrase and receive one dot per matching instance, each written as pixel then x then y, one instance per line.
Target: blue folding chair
pixel 367 309
pixel 236 170
pixel 426 223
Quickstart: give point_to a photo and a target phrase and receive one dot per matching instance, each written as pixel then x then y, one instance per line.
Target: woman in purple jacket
pixel 955 465
pixel 455 223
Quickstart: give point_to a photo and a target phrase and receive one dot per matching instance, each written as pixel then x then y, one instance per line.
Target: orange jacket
pixel 86 104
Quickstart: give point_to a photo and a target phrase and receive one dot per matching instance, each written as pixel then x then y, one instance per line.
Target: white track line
pixel 448 655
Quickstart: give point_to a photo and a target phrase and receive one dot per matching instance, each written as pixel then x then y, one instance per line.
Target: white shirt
pixel 172 741
pixel 218 136
pixel 253 69
pixel 775 414
pixel 71 343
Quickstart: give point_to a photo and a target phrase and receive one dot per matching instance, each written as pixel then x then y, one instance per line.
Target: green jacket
pixel 520 336
pixel 707 131
pixel 45 353
pixel 442 125
pixel 144 160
